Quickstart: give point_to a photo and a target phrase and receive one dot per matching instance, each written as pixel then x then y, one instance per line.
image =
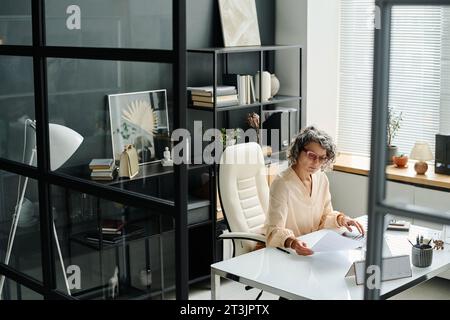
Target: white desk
pixel 321 276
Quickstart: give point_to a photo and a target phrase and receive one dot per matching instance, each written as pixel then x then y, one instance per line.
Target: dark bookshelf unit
pixel 206 67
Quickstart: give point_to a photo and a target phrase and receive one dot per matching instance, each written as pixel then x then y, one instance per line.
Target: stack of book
pixel 112 226
pixel 245 86
pixel 102 169
pixel 114 231
pixel 204 96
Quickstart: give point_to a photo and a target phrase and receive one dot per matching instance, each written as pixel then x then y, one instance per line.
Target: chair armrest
pixel 244 236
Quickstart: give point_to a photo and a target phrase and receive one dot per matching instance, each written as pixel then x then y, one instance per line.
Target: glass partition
pixel 18 292
pixel 111 250
pixel 20 241
pixel 15 22
pixel 17 135
pixel 110 23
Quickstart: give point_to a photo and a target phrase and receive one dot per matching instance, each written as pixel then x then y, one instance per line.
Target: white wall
pixel 314 23
pixel 291 28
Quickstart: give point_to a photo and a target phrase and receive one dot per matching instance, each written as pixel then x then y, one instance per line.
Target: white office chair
pixel 244 195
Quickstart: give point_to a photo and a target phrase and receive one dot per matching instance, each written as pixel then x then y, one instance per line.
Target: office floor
pixel 433 289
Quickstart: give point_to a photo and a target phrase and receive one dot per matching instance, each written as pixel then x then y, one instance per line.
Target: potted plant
pixel 229 137
pixel 394 120
pixel 400 161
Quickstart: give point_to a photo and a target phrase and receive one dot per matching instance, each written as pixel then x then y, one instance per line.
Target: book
pixel 107 171
pixel 231 79
pixel 219 99
pixel 109 175
pixel 101 164
pixel 128 232
pixel 207 91
pixel 211 105
pixel 112 225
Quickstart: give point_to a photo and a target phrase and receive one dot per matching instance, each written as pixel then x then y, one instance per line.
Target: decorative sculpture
pixel 113 284
pixel 167 160
pixel 438 244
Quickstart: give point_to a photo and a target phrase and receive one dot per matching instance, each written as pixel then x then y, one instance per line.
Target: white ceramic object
pixel 266 90
pixel 274 85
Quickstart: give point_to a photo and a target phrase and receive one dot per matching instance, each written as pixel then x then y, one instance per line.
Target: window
pixel 419 74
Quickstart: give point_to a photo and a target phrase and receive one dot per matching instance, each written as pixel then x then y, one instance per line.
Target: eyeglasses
pixel 314 157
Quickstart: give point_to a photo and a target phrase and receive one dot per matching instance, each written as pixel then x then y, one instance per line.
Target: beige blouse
pixel 293 212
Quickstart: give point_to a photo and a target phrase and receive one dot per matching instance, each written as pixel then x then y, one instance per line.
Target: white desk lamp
pixel 421 152
pixel 63 144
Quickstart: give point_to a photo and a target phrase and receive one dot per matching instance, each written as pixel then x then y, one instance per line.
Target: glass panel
pixel 417 76
pixel 20 244
pixel 15 22
pixel 94 98
pixel 16 109
pixel 14 291
pixel 419 101
pixel 113 251
pixel 110 23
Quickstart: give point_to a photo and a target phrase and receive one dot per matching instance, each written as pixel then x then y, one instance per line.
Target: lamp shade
pixel 421 151
pixel 63 144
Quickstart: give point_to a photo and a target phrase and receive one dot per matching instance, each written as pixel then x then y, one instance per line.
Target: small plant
pixel 400 161
pixel 394 120
pixel 229 136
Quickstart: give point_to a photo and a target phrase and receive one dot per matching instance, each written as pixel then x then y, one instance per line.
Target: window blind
pixel 415 73
pixel 419 75
pixel 356 69
pixel 445 82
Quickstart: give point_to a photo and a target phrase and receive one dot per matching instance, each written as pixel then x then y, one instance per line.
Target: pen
pixel 285 251
pixel 429 242
pixel 410 242
pixel 421 239
pixel 417 240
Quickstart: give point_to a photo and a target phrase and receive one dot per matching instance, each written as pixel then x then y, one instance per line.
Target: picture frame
pixel 239 23
pixel 141 119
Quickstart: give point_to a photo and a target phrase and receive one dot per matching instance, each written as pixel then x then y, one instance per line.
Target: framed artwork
pixel 140 119
pixel 239 23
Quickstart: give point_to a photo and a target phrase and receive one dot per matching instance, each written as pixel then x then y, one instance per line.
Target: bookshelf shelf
pixel 274 100
pixel 220 50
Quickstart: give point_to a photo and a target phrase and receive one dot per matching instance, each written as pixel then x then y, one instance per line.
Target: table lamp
pixel 421 152
pixel 63 144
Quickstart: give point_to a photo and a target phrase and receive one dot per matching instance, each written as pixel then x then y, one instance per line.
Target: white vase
pixel 274 85
pixel 265 96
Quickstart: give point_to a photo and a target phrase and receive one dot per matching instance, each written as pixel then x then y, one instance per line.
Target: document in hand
pixel 328 240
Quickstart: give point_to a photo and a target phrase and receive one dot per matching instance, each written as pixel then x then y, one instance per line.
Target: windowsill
pixel 361 165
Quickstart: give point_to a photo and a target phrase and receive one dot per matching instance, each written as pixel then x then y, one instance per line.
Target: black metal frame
pixel 45 177
pixel 378 206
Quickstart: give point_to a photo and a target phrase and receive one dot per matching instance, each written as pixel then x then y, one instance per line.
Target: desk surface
pixel 321 276
pixel 361 165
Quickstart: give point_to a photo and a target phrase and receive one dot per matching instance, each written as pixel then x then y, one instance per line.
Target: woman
pixel 300 200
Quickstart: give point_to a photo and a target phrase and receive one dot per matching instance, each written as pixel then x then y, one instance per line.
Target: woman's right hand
pixel 301 248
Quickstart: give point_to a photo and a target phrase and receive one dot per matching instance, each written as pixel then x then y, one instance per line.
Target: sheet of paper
pixel 329 240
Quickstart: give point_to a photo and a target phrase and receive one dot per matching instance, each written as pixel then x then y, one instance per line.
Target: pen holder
pixel 422 257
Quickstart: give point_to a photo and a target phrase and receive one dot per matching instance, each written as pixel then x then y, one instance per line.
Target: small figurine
pixel 438 244
pixel 113 284
pixel 167 161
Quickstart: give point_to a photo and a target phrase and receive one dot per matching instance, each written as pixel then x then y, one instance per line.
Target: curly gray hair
pixel 309 135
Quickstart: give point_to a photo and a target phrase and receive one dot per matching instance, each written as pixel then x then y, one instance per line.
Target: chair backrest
pixel 244 191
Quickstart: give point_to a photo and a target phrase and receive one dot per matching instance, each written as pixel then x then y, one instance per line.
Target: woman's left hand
pixel 348 222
